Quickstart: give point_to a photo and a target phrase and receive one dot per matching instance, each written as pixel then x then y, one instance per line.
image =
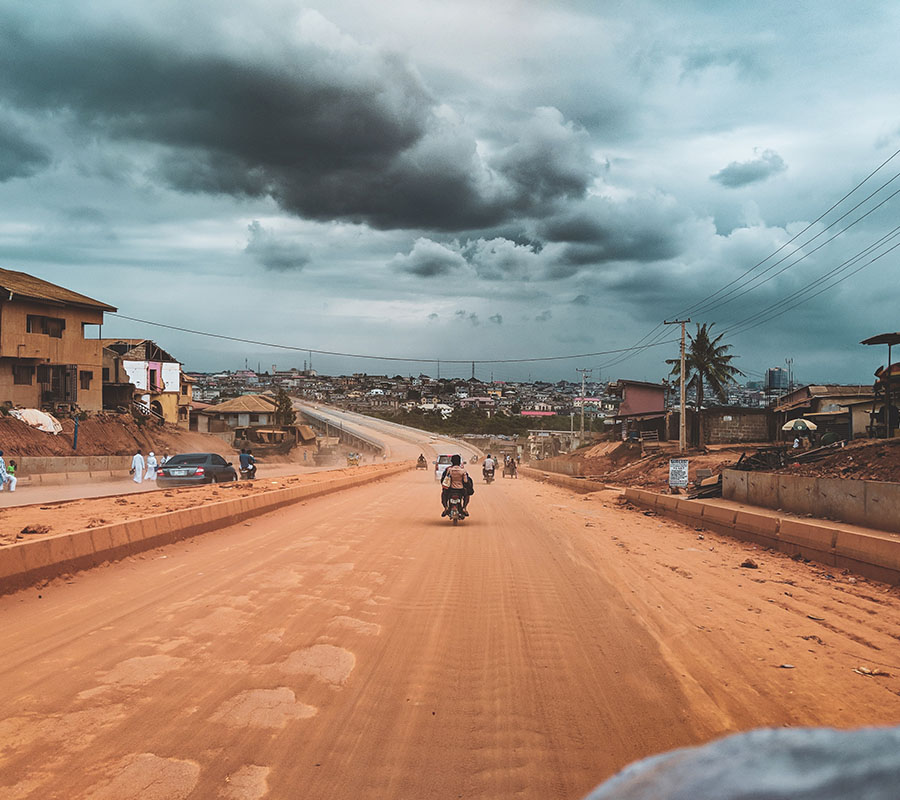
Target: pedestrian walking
pixel 152 464
pixel 3 472
pixel 11 478
pixel 137 466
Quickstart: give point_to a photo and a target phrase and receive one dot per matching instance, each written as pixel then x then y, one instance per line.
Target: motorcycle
pixel 455 508
pixel 248 473
pixel 421 464
pixel 488 475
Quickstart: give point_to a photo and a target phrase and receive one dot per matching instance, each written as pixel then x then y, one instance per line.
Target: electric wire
pixel 407 359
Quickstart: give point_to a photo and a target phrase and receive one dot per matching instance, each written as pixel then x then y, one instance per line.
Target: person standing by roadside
pixel 3 472
pixel 137 466
pixel 152 464
pixel 11 475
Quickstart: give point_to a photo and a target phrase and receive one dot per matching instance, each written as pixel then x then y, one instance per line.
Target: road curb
pixel 874 554
pixel 582 485
pixel 26 563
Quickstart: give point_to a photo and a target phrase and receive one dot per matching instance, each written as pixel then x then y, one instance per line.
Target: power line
pixel 843 266
pixel 429 360
pixel 696 306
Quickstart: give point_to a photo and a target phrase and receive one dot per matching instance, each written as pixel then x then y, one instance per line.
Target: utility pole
pixel 681 416
pixel 583 372
pixel 790 366
pixel 473 370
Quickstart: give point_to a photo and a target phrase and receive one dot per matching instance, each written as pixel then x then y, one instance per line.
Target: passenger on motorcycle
pixel 488 466
pixel 459 481
pixel 248 464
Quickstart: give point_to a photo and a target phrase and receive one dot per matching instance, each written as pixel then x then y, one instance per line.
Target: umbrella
pixel 799 425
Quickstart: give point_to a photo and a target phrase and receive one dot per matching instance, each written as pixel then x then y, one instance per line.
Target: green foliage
pixel 707 363
pixel 284 408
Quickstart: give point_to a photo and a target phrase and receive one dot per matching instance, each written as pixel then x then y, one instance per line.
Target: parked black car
pixel 191 469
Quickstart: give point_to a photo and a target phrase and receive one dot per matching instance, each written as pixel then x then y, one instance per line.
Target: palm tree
pixel 706 363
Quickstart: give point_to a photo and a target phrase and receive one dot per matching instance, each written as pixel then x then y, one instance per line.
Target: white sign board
pixel 678 472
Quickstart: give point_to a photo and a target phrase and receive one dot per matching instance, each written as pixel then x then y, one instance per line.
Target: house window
pixel 184 388
pixel 43 373
pixel 106 374
pixel 154 383
pixel 23 374
pixel 86 377
pixel 49 326
pixel 254 418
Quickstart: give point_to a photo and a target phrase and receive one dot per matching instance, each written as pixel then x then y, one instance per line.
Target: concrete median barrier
pixel 582 485
pixel 872 553
pixel 26 563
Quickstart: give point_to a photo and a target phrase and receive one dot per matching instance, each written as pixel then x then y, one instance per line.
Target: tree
pixel 284 408
pixel 707 363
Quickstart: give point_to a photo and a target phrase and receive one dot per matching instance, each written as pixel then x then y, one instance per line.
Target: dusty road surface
pixel 357 645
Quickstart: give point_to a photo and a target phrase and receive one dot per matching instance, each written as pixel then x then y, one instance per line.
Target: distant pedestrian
pixel 165 458
pixel 3 473
pixel 797 442
pixel 152 464
pixel 11 475
pixel 137 466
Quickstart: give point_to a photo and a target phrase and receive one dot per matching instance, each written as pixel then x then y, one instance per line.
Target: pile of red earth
pixel 620 463
pixel 864 459
pixel 105 435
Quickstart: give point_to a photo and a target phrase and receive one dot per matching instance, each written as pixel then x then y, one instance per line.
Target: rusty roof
pixel 27 287
pixel 252 403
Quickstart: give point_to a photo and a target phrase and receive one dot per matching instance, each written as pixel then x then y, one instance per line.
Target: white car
pixel 442 462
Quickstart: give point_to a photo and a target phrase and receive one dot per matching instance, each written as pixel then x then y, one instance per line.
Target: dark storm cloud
pixel 19 157
pixel 738 174
pixel 329 131
pixel 273 253
pixel 600 232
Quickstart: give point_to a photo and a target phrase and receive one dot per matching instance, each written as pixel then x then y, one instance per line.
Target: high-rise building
pixel 777 378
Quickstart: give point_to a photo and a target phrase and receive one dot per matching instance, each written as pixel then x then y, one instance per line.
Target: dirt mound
pixel 104 435
pixel 874 460
pixel 621 463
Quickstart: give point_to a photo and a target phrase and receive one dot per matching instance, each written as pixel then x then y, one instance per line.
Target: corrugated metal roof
pixel 27 286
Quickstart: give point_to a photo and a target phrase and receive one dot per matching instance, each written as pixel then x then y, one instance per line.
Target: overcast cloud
pixel 456 180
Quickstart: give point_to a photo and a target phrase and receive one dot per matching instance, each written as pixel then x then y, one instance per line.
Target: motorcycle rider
pixel 248 463
pixel 420 462
pixel 459 483
pixel 488 466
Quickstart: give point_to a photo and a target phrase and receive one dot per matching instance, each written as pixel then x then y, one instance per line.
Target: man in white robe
pixel 151 467
pixel 137 466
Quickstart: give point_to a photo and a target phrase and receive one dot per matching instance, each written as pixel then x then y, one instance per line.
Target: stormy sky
pixel 461 180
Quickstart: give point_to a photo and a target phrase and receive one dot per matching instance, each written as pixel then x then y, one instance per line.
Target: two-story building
pixel 159 386
pixel 46 358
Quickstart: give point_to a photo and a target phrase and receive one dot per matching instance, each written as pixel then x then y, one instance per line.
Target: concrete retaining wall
pixel 26 563
pixel 29 466
pixel 872 553
pixel 873 504
pixel 582 485
pixel 563 466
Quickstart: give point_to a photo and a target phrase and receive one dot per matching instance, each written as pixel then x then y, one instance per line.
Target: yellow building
pixel 46 360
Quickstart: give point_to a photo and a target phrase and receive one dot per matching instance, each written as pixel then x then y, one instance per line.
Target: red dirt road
pixel 357 645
